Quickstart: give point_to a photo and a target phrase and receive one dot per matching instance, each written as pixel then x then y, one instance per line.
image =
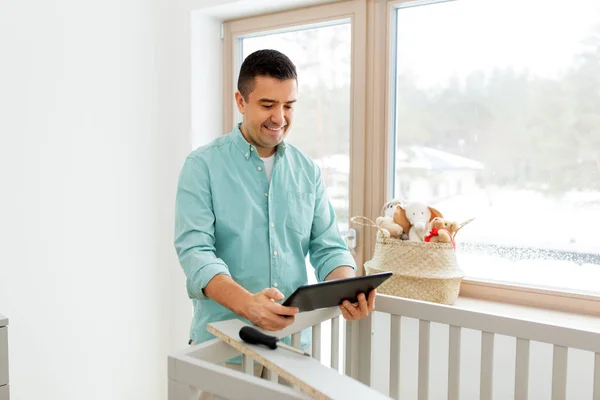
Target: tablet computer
pixel 333 293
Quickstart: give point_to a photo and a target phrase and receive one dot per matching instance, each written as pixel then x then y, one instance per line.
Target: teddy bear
pixel 442 231
pixel 387 222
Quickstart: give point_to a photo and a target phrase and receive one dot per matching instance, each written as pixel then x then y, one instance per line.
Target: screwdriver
pixel 253 336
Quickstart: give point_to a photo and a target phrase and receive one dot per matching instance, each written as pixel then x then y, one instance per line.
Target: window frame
pixel 382 30
pixel 355 11
pixel 372 125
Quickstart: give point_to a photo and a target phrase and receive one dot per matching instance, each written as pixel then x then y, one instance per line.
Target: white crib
pixel 360 365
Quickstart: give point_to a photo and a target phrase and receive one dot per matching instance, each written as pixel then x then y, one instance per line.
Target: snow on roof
pixel 413 157
pixel 421 157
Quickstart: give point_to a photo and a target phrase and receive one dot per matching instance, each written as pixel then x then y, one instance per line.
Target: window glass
pixel 497 117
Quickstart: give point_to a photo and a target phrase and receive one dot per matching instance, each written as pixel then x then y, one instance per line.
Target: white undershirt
pixel 269 165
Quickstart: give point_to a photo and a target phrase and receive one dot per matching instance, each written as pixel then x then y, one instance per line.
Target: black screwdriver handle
pixel 253 336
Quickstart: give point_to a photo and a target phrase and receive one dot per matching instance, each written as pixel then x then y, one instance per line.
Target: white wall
pixel 98 110
pixel 79 197
pixel 191 108
pixel 206 75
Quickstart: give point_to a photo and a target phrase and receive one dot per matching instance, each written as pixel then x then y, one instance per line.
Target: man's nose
pixel 278 116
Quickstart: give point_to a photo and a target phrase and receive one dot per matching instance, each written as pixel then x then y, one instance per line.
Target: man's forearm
pixel 341 272
pixel 228 293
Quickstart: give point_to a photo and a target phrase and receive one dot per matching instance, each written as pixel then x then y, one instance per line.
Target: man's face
pixel 268 113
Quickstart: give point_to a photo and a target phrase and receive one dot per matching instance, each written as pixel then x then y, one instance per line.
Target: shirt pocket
pixel 300 211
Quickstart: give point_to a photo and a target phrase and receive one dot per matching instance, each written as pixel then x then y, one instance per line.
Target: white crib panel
pixel 559 373
pixel 487 365
pixel 316 341
pixel 424 331
pixel 454 362
pixel 522 370
pixel 597 376
pixel 335 343
pixel 395 335
pixel 248 364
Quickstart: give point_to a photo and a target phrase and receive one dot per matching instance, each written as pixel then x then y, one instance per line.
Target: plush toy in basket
pixel 416 243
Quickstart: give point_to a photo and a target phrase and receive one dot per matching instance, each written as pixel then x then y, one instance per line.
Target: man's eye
pixel 267 107
pixel 288 107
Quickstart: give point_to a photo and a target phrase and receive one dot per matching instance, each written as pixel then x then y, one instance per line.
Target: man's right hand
pixel 264 312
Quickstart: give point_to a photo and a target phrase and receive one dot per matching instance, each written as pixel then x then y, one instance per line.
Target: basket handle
pixel 372 224
pixel 463 224
pixel 369 223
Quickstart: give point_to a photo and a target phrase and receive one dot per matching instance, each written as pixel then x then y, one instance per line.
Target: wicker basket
pixel 421 271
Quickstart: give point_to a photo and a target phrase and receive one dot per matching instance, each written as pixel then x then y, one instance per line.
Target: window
pixel 322 129
pixel 324 42
pixel 496 116
pixel 327 44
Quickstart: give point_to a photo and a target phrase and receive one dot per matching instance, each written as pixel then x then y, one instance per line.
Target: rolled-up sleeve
pixel 327 248
pixel 194 228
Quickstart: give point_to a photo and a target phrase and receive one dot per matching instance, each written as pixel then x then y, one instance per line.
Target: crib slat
pixel 272 376
pixel 423 390
pixel 335 343
pixel 454 362
pixel 316 341
pixel 351 346
pixel 248 364
pixel 487 365
pixel 296 340
pixel 395 332
pixel 597 377
pixel 559 373
pixel 522 370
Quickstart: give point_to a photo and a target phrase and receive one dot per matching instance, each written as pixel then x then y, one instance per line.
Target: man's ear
pixel 240 102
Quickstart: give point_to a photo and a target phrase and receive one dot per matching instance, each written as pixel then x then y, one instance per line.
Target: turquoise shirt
pixel 230 220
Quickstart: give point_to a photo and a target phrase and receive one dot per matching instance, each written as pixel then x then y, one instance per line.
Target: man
pixel 250 207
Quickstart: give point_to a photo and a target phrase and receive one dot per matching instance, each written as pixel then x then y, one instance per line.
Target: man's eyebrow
pixel 266 100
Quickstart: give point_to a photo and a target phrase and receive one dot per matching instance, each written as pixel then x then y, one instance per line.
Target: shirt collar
pixel 247 149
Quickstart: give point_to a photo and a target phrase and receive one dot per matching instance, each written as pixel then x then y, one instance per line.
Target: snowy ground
pixel 531 220
pixel 528 218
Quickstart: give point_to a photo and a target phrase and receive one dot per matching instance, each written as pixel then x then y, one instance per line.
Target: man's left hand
pixel 356 311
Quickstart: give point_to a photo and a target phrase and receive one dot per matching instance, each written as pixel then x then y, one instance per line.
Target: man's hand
pixel 356 311
pixel 264 312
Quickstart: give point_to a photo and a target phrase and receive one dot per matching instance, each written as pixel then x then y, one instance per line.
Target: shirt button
pixel 259 168
pixel 251 148
pixel 275 284
pixel 272 225
pixel 275 253
pixel 247 155
pixel 266 194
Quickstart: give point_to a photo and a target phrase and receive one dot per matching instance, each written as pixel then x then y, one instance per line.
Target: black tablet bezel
pixel 332 293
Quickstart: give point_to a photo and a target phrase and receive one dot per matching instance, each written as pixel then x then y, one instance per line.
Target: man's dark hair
pixel 264 63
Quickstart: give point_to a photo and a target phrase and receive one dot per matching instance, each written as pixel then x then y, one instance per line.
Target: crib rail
pixel 199 367
pixel 355 349
pixel 560 337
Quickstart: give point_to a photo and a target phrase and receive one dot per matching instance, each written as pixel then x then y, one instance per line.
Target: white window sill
pixel 554 317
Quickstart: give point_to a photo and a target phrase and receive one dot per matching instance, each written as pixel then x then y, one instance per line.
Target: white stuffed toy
pixel 387 222
pixel 415 217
